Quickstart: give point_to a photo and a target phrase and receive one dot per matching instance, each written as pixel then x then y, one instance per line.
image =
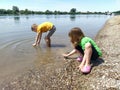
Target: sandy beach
pixel 63 75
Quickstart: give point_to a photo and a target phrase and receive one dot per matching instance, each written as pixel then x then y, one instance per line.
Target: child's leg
pixel 85 66
pixel 79 50
pixel 80 56
pixel 48 41
pixel 47 38
pixel 86 57
pixel 79 53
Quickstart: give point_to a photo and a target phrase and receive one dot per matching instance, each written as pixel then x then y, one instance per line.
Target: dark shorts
pixel 94 52
pixel 50 33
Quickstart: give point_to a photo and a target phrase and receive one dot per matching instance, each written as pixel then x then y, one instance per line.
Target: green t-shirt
pixel 85 40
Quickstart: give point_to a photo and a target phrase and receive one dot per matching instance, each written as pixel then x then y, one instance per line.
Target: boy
pixel 44 27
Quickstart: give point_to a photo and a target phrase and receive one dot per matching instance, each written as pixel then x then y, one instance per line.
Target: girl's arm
pixel 70 53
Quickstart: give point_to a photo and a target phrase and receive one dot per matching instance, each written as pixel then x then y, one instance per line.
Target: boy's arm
pixel 37 39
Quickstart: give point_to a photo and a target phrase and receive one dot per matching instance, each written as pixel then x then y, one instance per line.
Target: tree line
pixel 15 10
pixel 117 12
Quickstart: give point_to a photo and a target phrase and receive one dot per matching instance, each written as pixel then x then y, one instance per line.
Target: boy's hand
pixel 35 44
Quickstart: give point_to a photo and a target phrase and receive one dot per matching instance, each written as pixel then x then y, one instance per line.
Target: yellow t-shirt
pixel 44 27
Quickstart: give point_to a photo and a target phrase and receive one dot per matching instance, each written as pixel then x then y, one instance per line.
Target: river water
pixel 16 38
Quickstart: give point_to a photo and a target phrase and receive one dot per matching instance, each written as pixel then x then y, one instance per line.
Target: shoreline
pixel 105 74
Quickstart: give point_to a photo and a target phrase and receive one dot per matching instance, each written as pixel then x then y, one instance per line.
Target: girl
pixel 87 48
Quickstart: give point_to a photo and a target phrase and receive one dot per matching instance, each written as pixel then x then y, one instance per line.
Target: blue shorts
pixel 50 33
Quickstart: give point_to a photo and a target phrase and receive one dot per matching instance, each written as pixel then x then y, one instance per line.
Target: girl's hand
pixel 65 55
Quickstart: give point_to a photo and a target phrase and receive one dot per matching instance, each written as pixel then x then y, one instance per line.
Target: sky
pixel 63 5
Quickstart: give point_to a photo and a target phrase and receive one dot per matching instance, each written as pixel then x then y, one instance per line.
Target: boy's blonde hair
pixel 33 27
pixel 76 35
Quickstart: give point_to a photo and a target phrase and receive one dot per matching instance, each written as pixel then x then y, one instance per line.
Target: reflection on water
pixel 16 18
pixel 72 17
pixel 27 17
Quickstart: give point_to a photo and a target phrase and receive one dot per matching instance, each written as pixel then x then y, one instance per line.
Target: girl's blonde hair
pixel 76 35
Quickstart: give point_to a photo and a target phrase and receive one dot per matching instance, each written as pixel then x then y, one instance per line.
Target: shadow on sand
pixel 97 62
pixel 58 45
pixel 94 63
